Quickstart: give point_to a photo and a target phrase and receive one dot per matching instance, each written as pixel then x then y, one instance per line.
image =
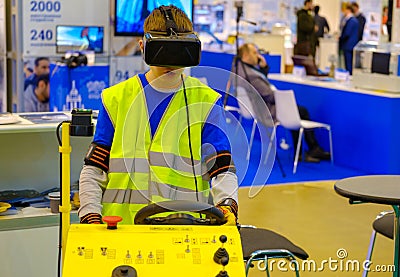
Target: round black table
pixel 380 189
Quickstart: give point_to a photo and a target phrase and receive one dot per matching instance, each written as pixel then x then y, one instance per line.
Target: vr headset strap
pixel 169 20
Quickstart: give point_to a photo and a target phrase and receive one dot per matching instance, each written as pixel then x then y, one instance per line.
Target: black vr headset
pixel 171 48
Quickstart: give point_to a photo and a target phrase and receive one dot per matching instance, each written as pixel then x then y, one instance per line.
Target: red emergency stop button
pixel 112 221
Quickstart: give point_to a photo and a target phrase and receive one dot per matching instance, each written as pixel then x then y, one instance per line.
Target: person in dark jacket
pixel 361 19
pixel 306 39
pixel 348 38
pixel 321 22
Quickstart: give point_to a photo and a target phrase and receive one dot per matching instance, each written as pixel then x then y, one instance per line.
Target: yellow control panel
pixel 153 250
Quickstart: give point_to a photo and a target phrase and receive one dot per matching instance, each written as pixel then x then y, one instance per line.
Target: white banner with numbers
pixel 122 68
pixel 52 27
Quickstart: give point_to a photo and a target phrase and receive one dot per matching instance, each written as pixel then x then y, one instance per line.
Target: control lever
pixel 124 271
pixel 223 272
pixel 221 252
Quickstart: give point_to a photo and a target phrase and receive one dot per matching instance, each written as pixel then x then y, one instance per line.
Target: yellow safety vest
pixel 143 169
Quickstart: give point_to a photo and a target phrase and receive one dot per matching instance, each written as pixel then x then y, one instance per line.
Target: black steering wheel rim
pixel 214 216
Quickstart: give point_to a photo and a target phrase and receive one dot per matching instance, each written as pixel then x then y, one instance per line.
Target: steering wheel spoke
pixel 183 208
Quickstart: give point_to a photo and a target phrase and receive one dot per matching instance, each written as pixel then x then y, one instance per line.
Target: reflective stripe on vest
pixel 127 165
pixel 128 196
pixel 175 162
pixel 173 192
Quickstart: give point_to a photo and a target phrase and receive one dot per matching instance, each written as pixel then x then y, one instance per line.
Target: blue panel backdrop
pixel 79 87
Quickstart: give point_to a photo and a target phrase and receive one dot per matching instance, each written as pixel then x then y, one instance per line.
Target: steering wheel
pixel 214 216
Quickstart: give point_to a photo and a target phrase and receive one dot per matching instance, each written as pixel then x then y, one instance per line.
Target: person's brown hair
pixel 156 21
pixel 244 49
pixel 350 7
pixel 355 4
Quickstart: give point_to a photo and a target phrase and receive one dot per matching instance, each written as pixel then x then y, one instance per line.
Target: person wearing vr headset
pixel 156 131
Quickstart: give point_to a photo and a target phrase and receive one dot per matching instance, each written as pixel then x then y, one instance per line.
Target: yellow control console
pixel 153 250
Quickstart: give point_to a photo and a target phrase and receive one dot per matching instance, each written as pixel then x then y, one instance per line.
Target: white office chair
pixel 257 111
pixel 251 106
pixel 287 114
pixel 245 110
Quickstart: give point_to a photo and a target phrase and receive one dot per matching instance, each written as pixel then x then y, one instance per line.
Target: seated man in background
pixel 252 66
pixel 42 66
pixel 36 95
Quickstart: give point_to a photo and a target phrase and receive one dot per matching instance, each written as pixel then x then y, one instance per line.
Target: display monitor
pixel 380 63
pixel 130 14
pixel 208 18
pixel 79 38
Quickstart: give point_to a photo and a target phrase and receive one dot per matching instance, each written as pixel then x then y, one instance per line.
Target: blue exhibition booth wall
pixel 81 87
pixel 224 60
pixel 78 87
pixel 365 130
